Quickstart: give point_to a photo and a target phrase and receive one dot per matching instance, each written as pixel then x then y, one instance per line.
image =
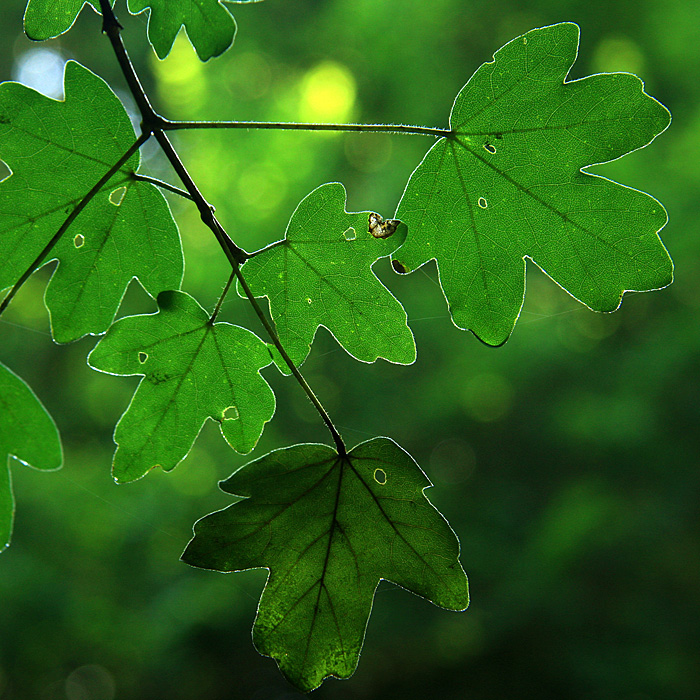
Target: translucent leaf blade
pixel 47 19
pixel 328 529
pixel 57 152
pixel 510 186
pixel 27 434
pixel 321 275
pixel 193 370
pixel 208 23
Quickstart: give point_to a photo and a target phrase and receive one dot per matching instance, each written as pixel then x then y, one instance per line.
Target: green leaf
pixel 208 23
pixel 27 434
pixel 321 274
pixel 57 152
pixel 193 370
pixel 509 185
pixel 329 528
pixel 47 19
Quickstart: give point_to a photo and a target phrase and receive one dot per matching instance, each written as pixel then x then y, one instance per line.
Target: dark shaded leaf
pixel 329 528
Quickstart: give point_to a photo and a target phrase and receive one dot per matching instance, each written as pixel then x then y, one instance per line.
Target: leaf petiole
pixel 217 308
pixel 337 439
pixel 168 125
pixel 162 185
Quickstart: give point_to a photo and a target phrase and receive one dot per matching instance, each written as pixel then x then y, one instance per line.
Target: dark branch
pixel 339 444
pixel 111 27
pixel 153 124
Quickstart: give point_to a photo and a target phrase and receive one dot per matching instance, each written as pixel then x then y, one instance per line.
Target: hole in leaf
pixel 399 267
pixel 482 203
pixel 143 357
pixel 350 234
pixel 230 413
pixel 308 301
pixel 79 241
pixel 489 147
pixel 380 476
pixel 117 196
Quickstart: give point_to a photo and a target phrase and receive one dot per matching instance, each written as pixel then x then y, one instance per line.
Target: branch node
pixel 109 20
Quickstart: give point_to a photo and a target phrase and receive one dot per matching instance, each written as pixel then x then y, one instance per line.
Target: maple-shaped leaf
pixel 28 435
pixel 192 370
pixel 321 274
pixel 328 528
pixel 509 185
pixel 58 151
pixel 47 19
pixel 208 23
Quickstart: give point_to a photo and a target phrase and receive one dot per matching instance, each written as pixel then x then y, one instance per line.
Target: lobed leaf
pixel 28 435
pixel 321 274
pixel 57 151
pixel 193 370
pixel 329 528
pixel 510 185
pixel 47 19
pixel 208 23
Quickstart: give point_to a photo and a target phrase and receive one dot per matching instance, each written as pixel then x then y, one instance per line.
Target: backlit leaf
pixel 321 274
pixel 27 434
pixel 329 528
pixel 208 23
pixel 193 370
pixel 47 19
pixel 57 152
pixel 509 185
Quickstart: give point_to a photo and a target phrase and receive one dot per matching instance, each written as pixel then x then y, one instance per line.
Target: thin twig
pixel 71 218
pixel 339 444
pixel 163 185
pixel 217 308
pixel 206 211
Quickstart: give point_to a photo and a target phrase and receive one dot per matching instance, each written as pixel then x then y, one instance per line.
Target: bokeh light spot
pixel 42 70
pixel 615 54
pixel 91 682
pixel 181 77
pixel 327 93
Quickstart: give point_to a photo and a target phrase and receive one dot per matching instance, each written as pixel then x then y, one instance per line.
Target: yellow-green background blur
pixel 567 461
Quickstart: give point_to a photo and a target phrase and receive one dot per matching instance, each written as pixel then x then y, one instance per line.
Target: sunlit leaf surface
pixel 193 370
pixel 208 23
pixel 27 434
pixel 509 185
pixel 321 275
pixel 58 150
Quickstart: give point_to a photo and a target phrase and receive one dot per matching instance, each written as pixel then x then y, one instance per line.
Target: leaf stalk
pixel 168 125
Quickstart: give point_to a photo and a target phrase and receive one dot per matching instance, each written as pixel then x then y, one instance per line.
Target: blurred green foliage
pixel 566 461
